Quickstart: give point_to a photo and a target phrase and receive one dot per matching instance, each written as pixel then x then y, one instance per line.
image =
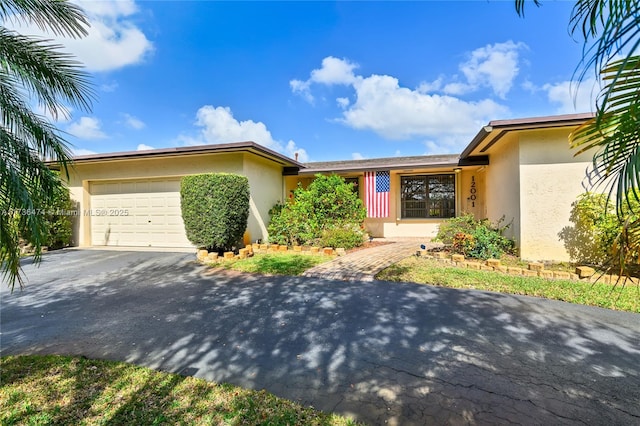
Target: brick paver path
pixel 363 265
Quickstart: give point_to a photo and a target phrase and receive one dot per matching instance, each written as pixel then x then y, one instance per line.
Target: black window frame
pixel 428 196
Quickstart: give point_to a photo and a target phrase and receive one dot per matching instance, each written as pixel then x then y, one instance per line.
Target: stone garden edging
pixel 533 269
pixel 250 250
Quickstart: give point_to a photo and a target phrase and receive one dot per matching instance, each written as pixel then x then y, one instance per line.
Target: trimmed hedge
pixel 215 209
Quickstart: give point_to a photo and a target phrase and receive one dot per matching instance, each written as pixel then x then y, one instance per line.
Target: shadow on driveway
pixel 380 352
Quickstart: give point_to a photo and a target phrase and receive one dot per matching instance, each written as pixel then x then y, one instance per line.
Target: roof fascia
pixel 398 166
pixel 504 126
pixel 235 147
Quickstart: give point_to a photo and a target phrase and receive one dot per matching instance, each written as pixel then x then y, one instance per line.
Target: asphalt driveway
pixel 380 352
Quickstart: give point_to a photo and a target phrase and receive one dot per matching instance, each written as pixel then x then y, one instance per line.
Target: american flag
pixel 377 186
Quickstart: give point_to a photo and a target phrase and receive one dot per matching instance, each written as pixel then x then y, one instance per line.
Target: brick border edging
pixel 204 256
pixel 534 269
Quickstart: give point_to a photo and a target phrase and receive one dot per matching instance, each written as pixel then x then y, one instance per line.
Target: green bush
pixel 448 229
pixel 57 210
pixel 282 228
pixel 489 243
pixel 479 239
pixel 595 227
pixel 329 204
pixel 463 243
pixel 215 209
pixel 342 237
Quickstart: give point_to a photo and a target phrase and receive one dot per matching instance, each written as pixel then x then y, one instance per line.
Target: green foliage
pixel 34 71
pixel 463 243
pixel 36 390
pixel 427 271
pixel 328 209
pixel 610 31
pixel 489 243
pixel 276 263
pixel 215 209
pixel 479 239
pixel 346 238
pixel 596 228
pixel 56 213
pixel 448 229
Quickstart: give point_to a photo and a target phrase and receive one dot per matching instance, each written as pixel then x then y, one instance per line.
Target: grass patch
pixel 427 271
pixel 276 263
pixel 53 389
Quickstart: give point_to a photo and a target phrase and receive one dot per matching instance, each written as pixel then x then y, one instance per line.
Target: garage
pixel 137 213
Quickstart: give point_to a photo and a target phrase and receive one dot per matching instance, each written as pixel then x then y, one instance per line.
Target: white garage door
pixel 141 213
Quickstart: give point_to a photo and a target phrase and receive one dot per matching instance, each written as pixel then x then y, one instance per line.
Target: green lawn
pixel 427 271
pixel 39 390
pixel 276 263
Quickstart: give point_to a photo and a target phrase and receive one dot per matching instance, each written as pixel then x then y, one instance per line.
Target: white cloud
pixel 291 149
pixel 396 112
pixel 385 107
pixel 218 125
pixel 301 88
pixel 357 156
pixel 86 128
pixel 571 96
pixel 114 40
pixel 82 151
pixel 343 102
pixel 494 66
pixel 434 86
pixel 333 71
pixel 143 147
pixel 133 122
pixel 109 87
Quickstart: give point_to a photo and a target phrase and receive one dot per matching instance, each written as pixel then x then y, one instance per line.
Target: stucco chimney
pixel 296 154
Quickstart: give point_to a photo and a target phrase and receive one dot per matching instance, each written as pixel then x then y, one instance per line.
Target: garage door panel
pixel 138 213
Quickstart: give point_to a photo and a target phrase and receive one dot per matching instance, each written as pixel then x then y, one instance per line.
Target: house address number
pixel 473 190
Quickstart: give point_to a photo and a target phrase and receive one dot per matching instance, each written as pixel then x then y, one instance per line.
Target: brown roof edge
pixel 389 163
pixel 529 123
pixel 190 150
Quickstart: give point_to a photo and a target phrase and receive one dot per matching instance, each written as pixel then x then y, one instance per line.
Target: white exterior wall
pixel 266 185
pixel 502 186
pixel 550 180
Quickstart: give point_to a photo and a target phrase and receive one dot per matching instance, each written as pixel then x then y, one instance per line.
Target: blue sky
pixel 329 80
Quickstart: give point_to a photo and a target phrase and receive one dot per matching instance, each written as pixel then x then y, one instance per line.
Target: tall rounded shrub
pixel 215 209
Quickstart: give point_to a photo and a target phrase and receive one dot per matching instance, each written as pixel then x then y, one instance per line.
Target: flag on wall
pixel 377 186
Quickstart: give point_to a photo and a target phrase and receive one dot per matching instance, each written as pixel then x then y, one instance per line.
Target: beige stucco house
pixel 133 198
pixel 522 170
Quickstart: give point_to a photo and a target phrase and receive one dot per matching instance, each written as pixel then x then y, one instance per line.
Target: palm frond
pixel 41 68
pixel 34 69
pixel 614 134
pixel 520 6
pixel 55 16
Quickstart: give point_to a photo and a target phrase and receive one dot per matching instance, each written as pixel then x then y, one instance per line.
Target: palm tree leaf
pixel 58 17
pixel 34 69
pixel 50 75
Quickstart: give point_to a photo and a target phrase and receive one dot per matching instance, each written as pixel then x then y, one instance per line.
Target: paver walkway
pixel 363 265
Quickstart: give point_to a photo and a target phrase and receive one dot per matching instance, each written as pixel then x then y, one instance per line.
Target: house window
pixel 428 196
